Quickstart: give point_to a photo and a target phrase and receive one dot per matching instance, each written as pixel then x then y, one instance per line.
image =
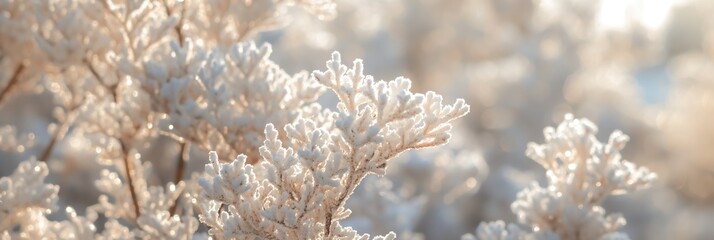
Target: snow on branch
pixel 582 172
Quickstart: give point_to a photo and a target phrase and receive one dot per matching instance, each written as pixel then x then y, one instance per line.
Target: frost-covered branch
pixel 14 78
pixel 299 188
pixel 24 195
pixel 221 101
pixel 581 173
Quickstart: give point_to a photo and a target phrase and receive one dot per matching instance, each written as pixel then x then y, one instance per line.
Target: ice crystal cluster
pixel 581 173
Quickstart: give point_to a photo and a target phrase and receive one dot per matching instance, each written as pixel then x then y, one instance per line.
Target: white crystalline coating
pixel 124 72
pixel 25 192
pixel 299 188
pixel 582 172
pixel 155 202
pixel 221 100
pixel 25 199
pixel 25 202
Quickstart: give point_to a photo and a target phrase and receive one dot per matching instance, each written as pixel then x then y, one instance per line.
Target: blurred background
pixel 645 67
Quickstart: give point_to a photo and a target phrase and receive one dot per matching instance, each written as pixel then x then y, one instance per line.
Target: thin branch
pixel 129 170
pixel 60 133
pixel 181 162
pixel 56 137
pixel 180 168
pixel 178 26
pixel 111 88
pixel 352 181
pixel 13 81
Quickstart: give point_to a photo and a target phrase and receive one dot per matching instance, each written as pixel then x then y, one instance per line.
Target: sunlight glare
pixel 617 14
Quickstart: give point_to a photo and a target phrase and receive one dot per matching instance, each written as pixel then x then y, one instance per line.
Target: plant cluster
pixel 138 85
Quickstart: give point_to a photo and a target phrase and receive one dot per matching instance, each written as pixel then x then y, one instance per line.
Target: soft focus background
pixel 642 66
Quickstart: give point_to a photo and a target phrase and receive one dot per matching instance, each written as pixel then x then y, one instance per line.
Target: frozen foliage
pixel 26 200
pixel 51 36
pixel 581 173
pixel 187 70
pixel 118 103
pixel 24 196
pixel 220 101
pixel 299 188
pixel 157 220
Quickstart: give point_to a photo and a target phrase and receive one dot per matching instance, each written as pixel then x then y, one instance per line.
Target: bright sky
pixel 652 14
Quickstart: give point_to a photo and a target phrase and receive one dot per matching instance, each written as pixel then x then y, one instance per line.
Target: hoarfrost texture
pixel 581 173
pixel 187 71
pixel 299 188
pixel 178 119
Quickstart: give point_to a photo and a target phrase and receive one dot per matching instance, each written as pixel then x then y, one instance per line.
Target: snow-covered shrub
pixel 299 188
pixel 125 76
pixel 581 173
pixel 121 101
